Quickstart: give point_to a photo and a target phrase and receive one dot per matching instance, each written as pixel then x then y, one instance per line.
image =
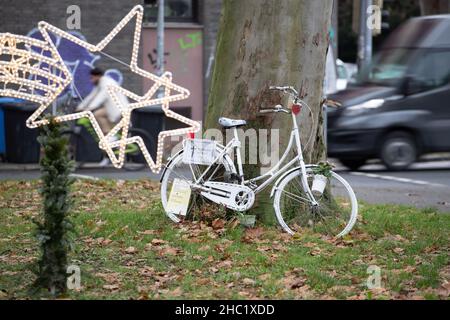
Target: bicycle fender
pixel 277 183
pixel 169 161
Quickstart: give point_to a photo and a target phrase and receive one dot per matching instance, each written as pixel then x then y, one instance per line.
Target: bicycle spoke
pixel 294 197
pixel 177 174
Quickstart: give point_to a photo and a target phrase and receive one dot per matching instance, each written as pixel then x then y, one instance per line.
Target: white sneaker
pixel 105 162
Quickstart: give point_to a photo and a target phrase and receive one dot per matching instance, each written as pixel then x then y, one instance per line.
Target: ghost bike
pixel 300 200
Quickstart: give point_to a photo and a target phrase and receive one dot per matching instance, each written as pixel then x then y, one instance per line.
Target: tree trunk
pixel 430 7
pixel 262 43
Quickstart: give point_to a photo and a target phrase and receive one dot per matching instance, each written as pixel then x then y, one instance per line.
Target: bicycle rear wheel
pixel 177 169
pixel 335 214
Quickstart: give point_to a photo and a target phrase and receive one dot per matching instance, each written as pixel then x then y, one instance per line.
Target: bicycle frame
pixel 275 171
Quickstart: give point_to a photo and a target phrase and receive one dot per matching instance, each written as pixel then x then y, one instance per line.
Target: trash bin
pixel 152 121
pixel 21 141
pixel 2 122
pixel 2 132
pixel 88 151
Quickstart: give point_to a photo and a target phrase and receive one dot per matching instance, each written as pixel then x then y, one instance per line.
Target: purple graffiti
pixel 79 61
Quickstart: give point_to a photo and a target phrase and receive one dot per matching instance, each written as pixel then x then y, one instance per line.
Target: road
pixel 424 185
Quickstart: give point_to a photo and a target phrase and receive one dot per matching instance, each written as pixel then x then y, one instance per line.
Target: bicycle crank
pixel 233 196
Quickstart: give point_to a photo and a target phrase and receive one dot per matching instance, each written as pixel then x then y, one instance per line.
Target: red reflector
pixel 191 135
pixel 296 108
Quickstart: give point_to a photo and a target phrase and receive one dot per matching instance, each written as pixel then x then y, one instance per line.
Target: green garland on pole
pixel 53 225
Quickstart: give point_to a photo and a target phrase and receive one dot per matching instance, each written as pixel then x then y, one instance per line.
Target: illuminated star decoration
pixel 22 70
pixel 123 125
pixel 144 101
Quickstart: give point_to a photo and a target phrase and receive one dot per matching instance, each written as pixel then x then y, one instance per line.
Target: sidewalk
pixel 35 166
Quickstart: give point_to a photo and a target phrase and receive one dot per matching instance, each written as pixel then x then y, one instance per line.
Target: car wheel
pixel 353 164
pixel 398 151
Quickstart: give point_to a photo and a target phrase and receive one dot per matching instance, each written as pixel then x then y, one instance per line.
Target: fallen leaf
pixel 264 277
pixel 157 242
pixel 148 232
pixel 218 224
pixel 248 282
pixel 170 251
pixel 131 250
pixel 111 287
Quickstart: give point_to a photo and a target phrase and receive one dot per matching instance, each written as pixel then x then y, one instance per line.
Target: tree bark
pixel 262 43
pixel 430 7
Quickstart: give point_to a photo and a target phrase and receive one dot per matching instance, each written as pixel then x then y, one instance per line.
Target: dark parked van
pixel 400 107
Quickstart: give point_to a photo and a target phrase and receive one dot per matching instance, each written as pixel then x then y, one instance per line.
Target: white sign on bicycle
pixel 179 197
pixel 198 151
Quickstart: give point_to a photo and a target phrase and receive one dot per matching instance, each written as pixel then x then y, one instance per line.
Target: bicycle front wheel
pixel 336 212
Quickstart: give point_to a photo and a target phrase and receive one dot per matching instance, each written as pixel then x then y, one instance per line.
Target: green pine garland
pixel 53 225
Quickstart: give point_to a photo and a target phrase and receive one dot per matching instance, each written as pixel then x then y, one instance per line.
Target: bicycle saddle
pixel 231 123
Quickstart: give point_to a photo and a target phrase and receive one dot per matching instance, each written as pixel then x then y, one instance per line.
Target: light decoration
pixel 15 71
pixel 22 71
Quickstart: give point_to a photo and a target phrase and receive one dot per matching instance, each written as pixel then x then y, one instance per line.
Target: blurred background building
pixel 190 37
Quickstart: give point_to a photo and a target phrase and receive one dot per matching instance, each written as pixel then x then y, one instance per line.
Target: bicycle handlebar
pixel 285 89
pixel 278 108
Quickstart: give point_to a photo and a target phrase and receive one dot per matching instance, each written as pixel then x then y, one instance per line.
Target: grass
pixel 127 249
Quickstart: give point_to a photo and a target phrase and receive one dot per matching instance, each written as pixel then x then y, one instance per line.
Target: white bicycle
pixel 332 210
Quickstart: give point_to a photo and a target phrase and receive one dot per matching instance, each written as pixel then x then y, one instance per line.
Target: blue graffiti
pixel 78 60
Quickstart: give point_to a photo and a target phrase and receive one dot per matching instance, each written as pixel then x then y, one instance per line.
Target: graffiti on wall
pixel 153 57
pixel 190 41
pixel 79 61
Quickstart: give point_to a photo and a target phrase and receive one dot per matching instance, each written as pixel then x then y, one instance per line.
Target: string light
pixel 144 101
pixel 9 74
pixel 21 75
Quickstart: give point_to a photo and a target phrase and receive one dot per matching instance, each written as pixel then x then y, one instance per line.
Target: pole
pixel 160 38
pixel 160 51
pixel 365 36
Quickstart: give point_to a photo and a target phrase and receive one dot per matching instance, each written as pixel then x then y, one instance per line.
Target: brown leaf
pixel 106 242
pixel 252 234
pixel 177 292
pixel 293 282
pixel 111 277
pixel 203 281
pixel 147 272
pixel 170 251
pixel 444 290
pixel 264 277
pixel 157 242
pixel 111 287
pixel 218 224
pixel 248 282
pixel 148 232
pixel 227 264
pixel 315 251
pixel 204 248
